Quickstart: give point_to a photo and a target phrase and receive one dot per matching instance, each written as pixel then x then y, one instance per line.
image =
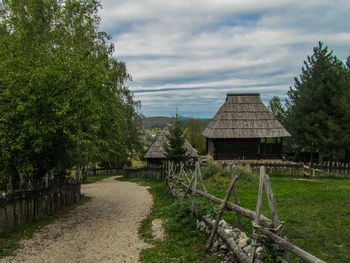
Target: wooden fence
pixel 151 172
pixel 98 171
pixel 327 169
pixel 25 206
pixel 272 229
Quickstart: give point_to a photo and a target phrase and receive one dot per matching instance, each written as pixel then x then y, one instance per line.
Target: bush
pixel 222 178
pixel 211 169
pixel 243 174
pixel 180 209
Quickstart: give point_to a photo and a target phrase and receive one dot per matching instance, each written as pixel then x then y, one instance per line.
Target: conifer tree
pixel 317 116
pixel 175 149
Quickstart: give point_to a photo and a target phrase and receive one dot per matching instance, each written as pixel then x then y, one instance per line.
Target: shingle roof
pixel 156 149
pixel 243 115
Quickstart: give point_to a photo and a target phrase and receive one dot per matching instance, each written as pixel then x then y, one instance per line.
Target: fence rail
pixel 270 228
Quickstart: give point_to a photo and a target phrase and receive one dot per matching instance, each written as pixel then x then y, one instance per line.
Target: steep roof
pixel 243 115
pixel 156 149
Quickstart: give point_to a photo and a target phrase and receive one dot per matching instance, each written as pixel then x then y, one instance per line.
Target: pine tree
pixel 316 113
pixel 275 106
pixel 175 149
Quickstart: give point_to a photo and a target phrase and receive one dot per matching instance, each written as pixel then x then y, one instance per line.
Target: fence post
pixel 276 222
pixel 194 188
pixel 235 195
pixel 258 212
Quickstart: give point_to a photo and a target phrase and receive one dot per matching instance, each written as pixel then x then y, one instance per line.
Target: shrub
pixel 211 169
pixel 243 173
pixel 180 209
pixel 222 178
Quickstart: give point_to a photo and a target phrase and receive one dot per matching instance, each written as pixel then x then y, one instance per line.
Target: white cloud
pixel 195 51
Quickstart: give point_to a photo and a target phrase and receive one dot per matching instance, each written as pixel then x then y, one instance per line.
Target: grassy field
pixel 316 211
pixel 183 242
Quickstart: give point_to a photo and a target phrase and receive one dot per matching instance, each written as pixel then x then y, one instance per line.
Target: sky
pixel 187 54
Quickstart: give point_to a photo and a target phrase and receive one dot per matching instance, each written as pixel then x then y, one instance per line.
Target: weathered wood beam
pixel 289 246
pixel 236 249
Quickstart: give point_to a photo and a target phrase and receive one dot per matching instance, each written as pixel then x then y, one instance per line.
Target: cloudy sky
pixel 188 54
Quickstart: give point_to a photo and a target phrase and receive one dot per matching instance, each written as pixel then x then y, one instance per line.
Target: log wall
pixel 242 149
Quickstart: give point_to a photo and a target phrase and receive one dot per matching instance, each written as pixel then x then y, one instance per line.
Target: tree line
pixel 64 102
pixel 317 108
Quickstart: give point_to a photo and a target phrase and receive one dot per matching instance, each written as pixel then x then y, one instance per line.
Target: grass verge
pixel 183 243
pixel 316 211
pixel 9 241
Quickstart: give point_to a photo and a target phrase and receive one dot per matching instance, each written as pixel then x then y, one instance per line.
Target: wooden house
pixel 244 128
pixel 155 153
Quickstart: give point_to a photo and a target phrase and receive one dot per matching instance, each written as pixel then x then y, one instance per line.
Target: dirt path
pixel 102 230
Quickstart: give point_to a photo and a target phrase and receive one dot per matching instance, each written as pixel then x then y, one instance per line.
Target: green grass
pixel 138 164
pixel 9 241
pixel 95 178
pixel 183 242
pixel 316 212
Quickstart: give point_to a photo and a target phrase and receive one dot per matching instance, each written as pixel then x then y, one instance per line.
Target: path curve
pixel 102 230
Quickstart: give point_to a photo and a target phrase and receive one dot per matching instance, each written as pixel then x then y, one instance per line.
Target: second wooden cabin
pixel 244 128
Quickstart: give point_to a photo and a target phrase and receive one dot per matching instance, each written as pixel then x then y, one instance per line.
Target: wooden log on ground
pixel 236 249
pixel 307 257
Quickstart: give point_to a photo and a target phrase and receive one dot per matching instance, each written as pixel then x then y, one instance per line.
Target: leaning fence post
pixel 276 222
pixel 221 211
pixel 258 211
pixel 194 188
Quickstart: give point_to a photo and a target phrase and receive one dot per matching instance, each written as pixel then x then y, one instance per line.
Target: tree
pixel 174 148
pixel 194 135
pixel 63 101
pixel 277 109
pixel 316 113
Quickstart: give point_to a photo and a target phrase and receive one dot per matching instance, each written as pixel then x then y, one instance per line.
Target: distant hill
pixel 161 121
pixel 155 122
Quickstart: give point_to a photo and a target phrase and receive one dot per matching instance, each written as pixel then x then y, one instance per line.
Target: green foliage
pixel 210 170
pixel 180 209
pixel 277 109
pixel 174 148
pixel 318 105
pixel 221 180
pixel 194 135
pixel 273 253
pixel 63 101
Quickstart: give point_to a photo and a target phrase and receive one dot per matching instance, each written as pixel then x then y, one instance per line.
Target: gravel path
pixel 102 230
